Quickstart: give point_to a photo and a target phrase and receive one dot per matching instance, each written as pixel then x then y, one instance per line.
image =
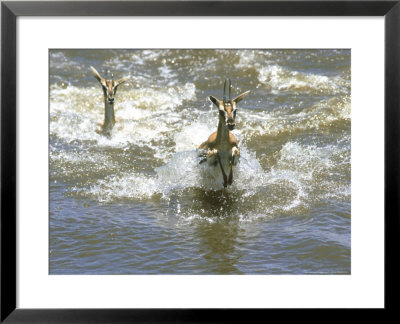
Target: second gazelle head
pixel 227 106
pixel 109 86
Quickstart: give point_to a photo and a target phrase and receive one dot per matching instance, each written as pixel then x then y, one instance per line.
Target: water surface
pixel 140 203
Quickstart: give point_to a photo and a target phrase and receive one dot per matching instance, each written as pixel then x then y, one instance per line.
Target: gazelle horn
pixel 230 88
pixel 224 97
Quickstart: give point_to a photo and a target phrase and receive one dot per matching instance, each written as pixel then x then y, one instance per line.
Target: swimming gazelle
pixel 222 146
pixel 109 91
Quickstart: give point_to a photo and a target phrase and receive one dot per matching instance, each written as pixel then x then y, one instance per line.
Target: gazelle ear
pixel 97 75
pixel 215 101
pixel 240 97
pixel 120 81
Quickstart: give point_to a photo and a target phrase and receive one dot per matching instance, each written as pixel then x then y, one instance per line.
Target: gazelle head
pixel 109 86
pixel 227 107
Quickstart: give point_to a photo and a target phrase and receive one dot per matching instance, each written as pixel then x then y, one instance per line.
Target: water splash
pixel 76 113
pixel 292 183
pixel 151 155
pixel 282 79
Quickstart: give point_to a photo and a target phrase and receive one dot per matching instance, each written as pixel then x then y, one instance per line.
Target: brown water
pixel 140 203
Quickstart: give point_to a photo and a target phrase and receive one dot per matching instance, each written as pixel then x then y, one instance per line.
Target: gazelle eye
pixel 234 113
pixel 222 113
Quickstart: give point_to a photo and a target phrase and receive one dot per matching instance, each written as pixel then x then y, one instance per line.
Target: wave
pixel 324 113
pixel 280 79
pixel 293 130
pixel 75 113
pixel 293 182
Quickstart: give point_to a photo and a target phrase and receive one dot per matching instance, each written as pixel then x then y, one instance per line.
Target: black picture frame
pixel 10 10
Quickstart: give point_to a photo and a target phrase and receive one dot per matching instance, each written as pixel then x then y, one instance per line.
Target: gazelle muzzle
pixel 109 90
pixel 230 123
pixel 110 99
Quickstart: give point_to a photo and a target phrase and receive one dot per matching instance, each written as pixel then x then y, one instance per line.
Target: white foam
pixel 76 113
pixel 279 78
pixel 292 182
pixel 321 114
pixel 167 119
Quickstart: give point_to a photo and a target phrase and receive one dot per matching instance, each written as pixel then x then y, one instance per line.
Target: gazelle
pixel 222 146
pixel 109 90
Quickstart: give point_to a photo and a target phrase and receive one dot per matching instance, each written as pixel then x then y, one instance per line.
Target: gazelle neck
pixel 109 117
pixel 222 135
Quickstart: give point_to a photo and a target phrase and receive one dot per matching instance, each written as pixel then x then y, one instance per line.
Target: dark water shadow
pixel 217 233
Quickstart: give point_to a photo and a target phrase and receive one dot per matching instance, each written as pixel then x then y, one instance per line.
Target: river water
pixel 139 202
